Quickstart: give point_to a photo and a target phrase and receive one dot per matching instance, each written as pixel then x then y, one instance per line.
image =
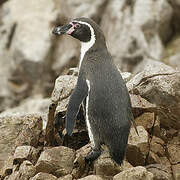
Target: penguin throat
pixel 85 46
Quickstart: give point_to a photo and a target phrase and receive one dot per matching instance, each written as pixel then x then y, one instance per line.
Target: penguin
pixel 101 90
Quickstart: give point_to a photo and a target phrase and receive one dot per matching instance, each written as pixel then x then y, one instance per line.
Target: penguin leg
pixel 96 150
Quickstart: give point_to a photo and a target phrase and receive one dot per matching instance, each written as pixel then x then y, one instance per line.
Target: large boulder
pixel 138 173
pixel 57 160
pixel 159 84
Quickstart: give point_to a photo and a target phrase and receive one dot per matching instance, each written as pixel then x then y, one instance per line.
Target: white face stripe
pixel 87 118
pixel 85 46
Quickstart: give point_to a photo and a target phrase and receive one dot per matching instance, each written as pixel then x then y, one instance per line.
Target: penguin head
pixel 83 29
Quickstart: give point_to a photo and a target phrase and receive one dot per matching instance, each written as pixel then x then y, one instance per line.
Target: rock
pixel 126 76
pixel 80 168
pixel 159 84
pixel 36 104
pixel 67 177
pixel 26 170
pixel 138 173
pixel 159 171
pixel 174 153
pixel 132 20
pixel 94 177
pixel 165 162
pixel 43 176
pixel 10 128
pixel 23 153
pixel 31 132
pixel 105 166
pixel 176 173
pixel 138 146
pixel 63 88
pixel 157 146
pixel 7 169
pixel 13 176
pixel 57 160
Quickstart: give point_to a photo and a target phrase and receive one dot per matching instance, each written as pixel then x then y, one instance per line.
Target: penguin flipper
pixel 80 92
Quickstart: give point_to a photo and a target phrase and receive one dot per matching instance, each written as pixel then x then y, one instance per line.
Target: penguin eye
pixel 77 26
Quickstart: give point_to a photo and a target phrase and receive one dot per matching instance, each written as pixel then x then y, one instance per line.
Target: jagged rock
pixel 138 173
pixel 13 176
pixel 43 176
pixel 57 160
pixel 80 169
pixel 31 132
pixel 133 22
pixel 105 166
pixel 63 88
pixel 67 177
pixel 149 122
pixel 126 76
pixel 159 84
pixel 165 161
pixel 159 171
pixel 138 146
pixel 174 153
pixel 176 172
pixel 94 177
pixel 157 146
pixel 36 104
pixel 23 153
pixel 7 169
pixel 10 128
pixel 26 170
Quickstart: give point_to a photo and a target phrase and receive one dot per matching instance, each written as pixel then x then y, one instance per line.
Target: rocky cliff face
pixel 38 73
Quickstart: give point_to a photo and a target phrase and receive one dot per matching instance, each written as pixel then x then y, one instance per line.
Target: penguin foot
pixel 92 156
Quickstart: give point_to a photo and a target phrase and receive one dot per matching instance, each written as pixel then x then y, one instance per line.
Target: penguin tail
pixel 117 146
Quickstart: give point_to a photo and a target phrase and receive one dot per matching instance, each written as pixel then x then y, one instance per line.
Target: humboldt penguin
pixel 101 90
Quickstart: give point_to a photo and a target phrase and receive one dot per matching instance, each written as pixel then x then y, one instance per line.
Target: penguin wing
pixel 80 92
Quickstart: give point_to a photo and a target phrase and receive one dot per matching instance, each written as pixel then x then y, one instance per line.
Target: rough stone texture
pixel 31 132
pixel 63 88
pixel 104 165
pixel 159 84
pixel 43 176
pixel 11 132
pixel 159 171
pixel 26 170
pixel 176 172
pixel 135 19
pixel 57 160
pixel 8 167
pixel 138 173
pixel 36 104
pixel 67 177
pixel 174 153
pixel 138 146
pixel 25 153
pixel 94 177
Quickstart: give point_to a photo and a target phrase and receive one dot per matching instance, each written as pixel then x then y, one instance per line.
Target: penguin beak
pixel 62 29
